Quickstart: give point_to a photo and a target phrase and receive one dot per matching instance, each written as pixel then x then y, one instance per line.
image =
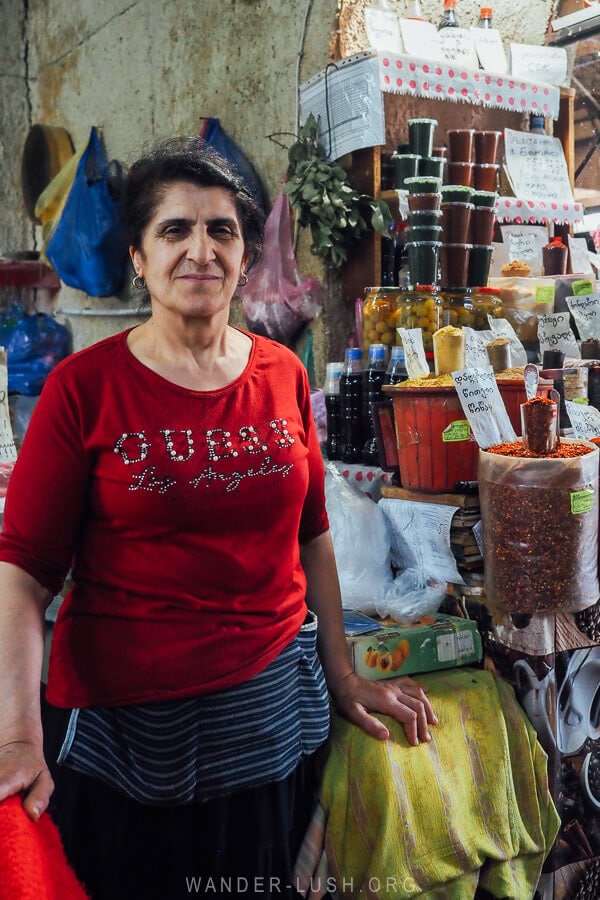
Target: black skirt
pixel 242 845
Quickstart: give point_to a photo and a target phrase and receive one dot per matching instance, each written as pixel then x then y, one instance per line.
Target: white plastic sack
pixel 361 544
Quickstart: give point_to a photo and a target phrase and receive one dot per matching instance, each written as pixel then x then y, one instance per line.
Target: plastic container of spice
pixel 379 317
pixel 540 529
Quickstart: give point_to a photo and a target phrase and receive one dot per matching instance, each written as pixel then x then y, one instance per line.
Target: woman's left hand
pixel 401 698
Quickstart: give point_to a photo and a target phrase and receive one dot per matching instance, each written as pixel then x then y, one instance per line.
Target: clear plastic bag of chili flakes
pixel 540 531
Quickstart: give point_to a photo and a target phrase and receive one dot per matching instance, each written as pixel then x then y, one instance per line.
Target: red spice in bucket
pixel 563 451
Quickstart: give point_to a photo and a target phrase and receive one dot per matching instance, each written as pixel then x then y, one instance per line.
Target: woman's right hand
pixel 23 770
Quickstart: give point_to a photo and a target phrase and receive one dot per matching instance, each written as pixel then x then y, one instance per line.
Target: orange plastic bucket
pixel 436 448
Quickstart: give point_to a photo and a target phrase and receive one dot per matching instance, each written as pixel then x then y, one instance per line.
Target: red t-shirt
pixel 181 513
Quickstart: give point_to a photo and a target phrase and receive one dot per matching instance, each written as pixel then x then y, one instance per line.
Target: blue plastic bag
pixel 88 247
pixel 219 140
pixel 34 345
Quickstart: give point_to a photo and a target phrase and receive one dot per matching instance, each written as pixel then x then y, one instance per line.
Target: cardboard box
pixel 434 642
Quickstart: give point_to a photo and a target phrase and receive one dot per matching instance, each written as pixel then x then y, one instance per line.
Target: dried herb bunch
pixel 325 202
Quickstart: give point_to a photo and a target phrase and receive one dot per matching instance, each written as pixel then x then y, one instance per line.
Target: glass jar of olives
pixel 457 307
pixel 421 307
pixel 380 318
pixel 486 301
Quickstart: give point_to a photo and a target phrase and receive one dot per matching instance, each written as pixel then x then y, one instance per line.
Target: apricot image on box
pixel 386 660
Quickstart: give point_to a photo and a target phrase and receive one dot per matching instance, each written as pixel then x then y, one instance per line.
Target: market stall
pixel 486 428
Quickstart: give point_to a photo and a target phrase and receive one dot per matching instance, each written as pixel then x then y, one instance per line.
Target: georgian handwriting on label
pixel 585 420
pixel 414 352
pixel 554 333
pixel 537 167
pixel 585 310
pixel 482 404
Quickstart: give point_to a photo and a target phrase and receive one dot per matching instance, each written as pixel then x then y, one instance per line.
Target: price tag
pixel 554 333
pixel 483 406
pixel 544 293
pixel 475 343
pixel 490 50
pixel 582 501
pixel 539 63
pixel 580 260
pixel 421 39
pixel 584 286
pixel 383 30
pixel 503 328
pixel 537 167
pixel 459 430
pixel 414 352
pixel 525 242
pixel 585 420
pixel 585 309
pixel 458 47
pixel 8 451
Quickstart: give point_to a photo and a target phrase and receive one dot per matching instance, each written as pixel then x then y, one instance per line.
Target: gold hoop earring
pixel 243 280
pixel 138 282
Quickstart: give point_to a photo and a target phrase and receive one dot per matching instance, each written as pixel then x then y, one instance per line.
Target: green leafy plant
pixel 319 192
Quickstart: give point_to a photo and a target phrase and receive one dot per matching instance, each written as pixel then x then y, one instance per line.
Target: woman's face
pixel 192 252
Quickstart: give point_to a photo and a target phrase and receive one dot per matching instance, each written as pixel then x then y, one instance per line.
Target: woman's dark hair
pixel 186 159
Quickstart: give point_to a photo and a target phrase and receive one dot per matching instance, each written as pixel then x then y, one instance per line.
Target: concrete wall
pixel 147 68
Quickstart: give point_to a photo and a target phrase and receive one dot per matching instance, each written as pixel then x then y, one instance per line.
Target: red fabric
pixel 33 865
pixel 183 511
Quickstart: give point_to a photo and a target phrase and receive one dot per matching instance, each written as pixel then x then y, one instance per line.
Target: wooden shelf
pixel 364 267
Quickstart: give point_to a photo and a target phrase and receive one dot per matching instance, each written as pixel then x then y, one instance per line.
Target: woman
pixel 176 468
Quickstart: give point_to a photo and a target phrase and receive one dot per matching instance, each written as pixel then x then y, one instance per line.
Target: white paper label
pixel 503 328
pixel 414 352
pixel 525 242
pixel 8 451
pixel 420 537
pixel 537 167
pixel 490 50
pixel 585 310
pixel 348 104
pixel 585 420
pixel 554 333
pixel 458 47
pixel 580 256
pixel 421 39
pixel 538 63
pixel 483 406
pixel 475 348
pixel 383 30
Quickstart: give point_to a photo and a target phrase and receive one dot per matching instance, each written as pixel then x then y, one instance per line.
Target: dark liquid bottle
pixel 331 389
pixel 371 392
pixel 448 19
pixel 351 406
pixel 396 370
